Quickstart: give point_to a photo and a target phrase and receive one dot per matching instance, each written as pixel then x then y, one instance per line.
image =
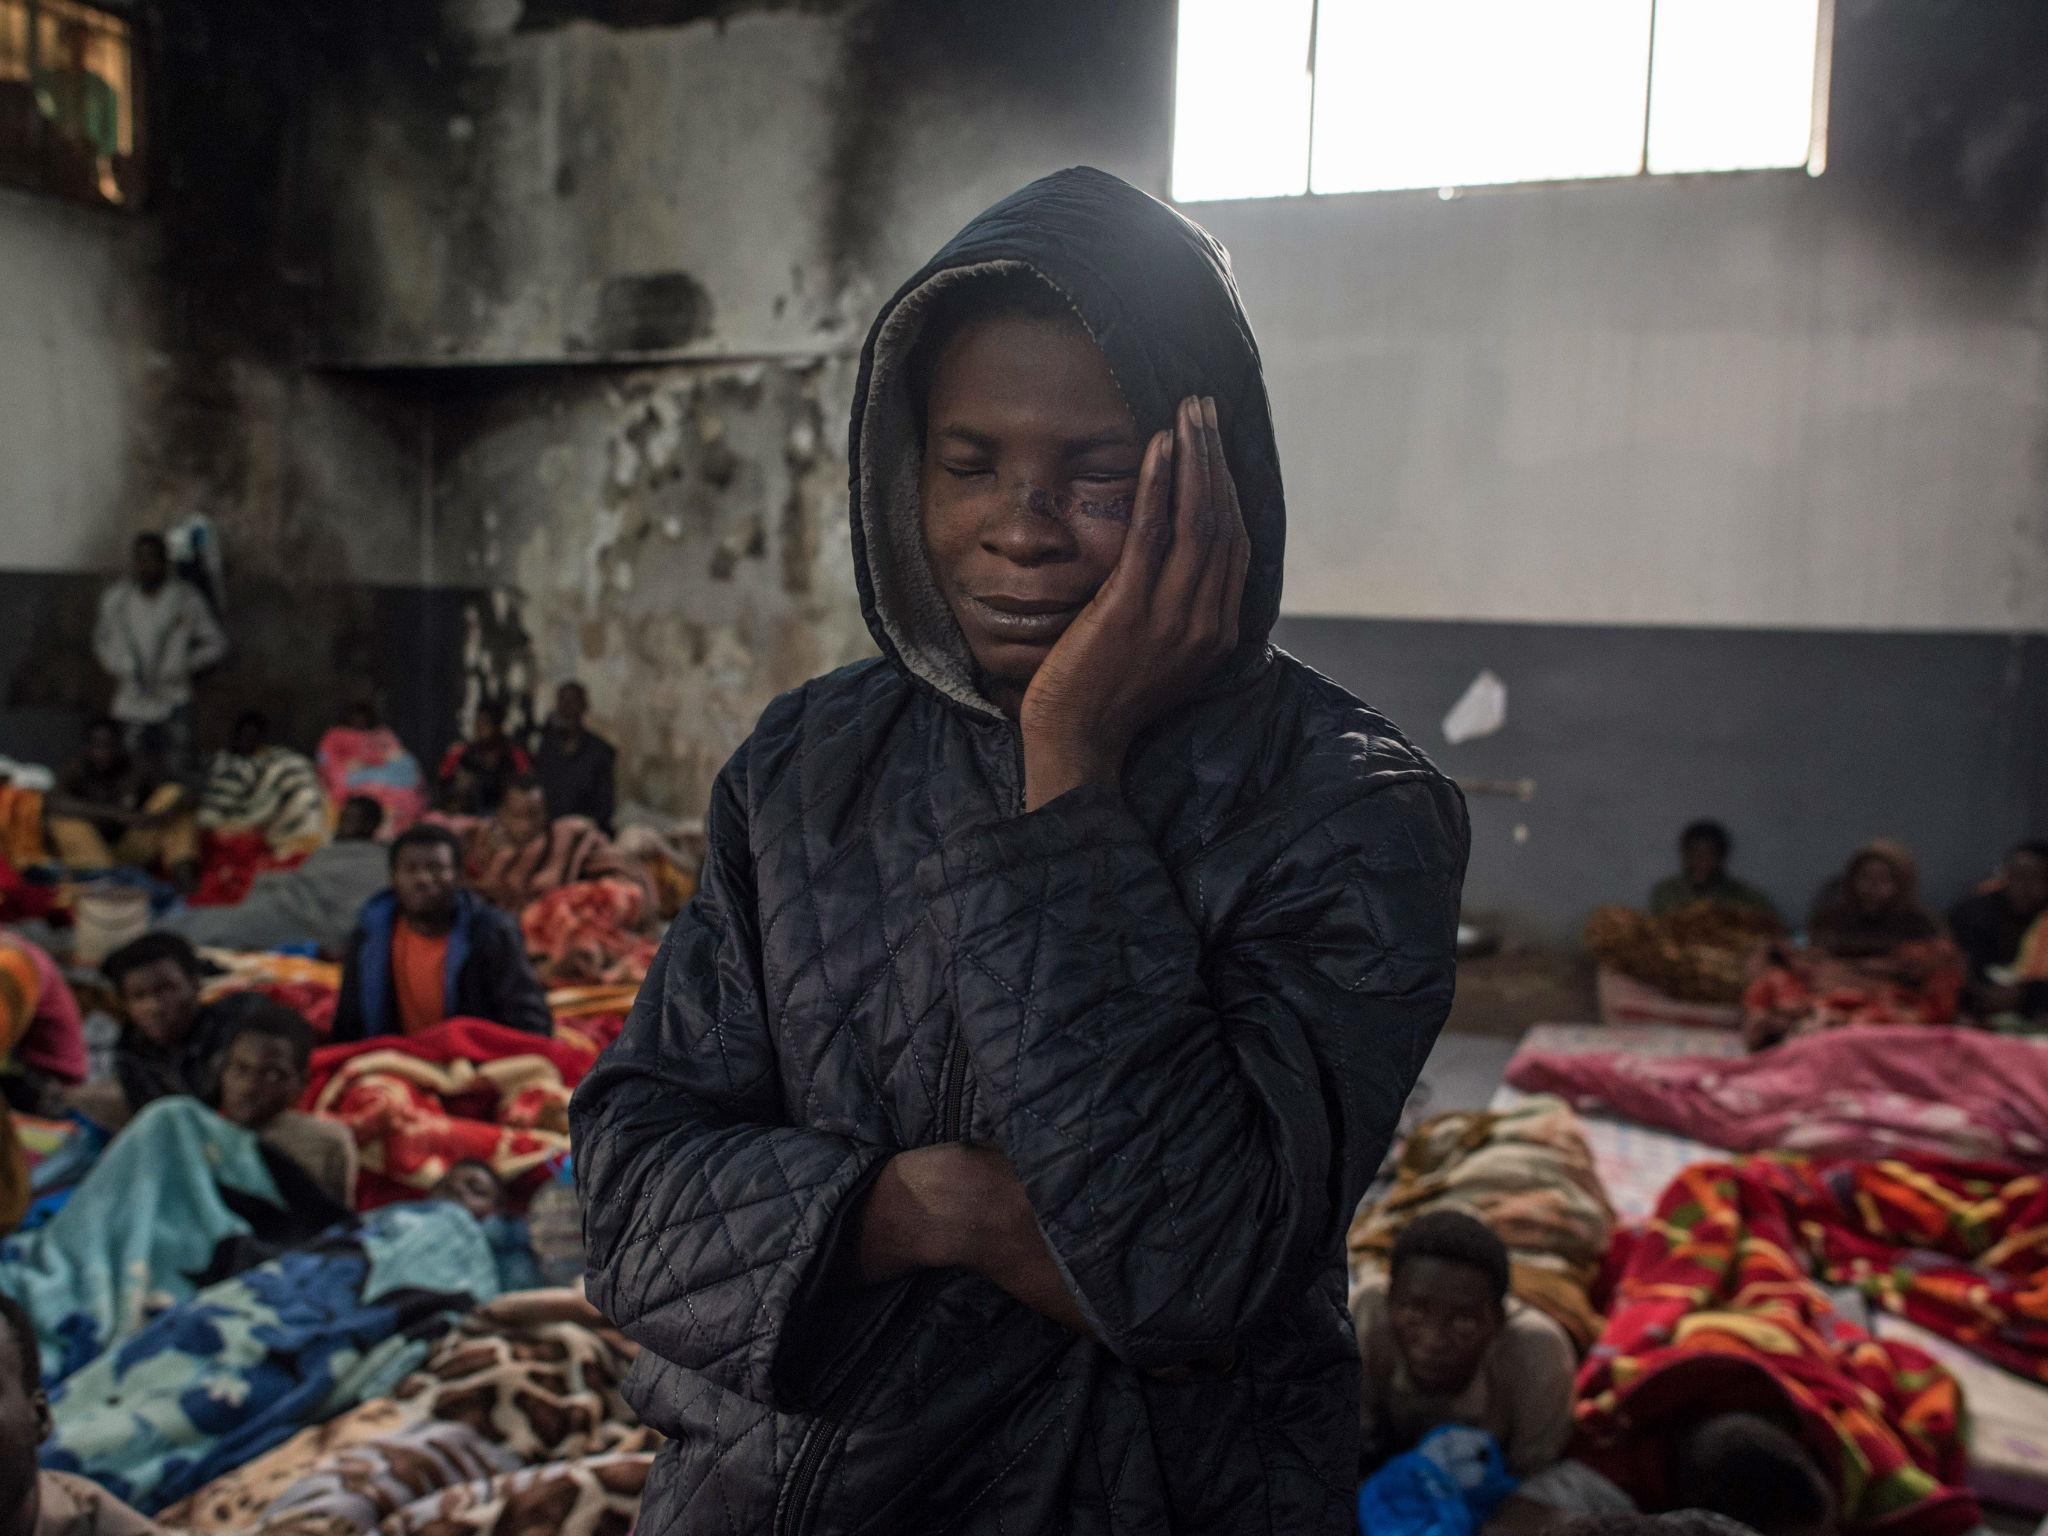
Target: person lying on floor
pixel 255 785
pixel 315 903
pixel 1703 850
pixel 170 1041
pixel 34 1502
pixel 1874 955
pixel 42 1036
pixel 1443 1343
pixel 363 756
pixel 474 1185
pixel 427 950
pixel 113 809
pixel 1990 928
pixel 1742 1466
pixel 523 852
pixel 263 1076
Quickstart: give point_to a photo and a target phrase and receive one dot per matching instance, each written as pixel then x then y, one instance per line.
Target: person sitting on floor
pixel 113 808
pixel 314 903
pixel 576 768
pixel 257 786
pixel 1990 929
pixel 170 1042
pixel 42 1037
pixel 1875 955
pixel 1442 1343
pixel 523 853
pixel 263 1074
pixel 363 756
pixel 1703 850
pixel 428 950
pixel 474 773
pixel 34 1502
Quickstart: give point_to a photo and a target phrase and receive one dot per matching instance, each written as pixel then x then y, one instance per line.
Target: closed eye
pixel 965 471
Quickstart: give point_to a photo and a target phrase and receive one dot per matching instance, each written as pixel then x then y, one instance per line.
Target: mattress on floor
pixel 2008 1414
pixel 1634 1162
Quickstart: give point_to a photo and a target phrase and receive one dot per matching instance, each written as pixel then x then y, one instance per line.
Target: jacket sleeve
pixel 708 1216
pixel 1195 1121
pixel 114 657
pixel 348 1003
pixel 519 1001
pixel 209 642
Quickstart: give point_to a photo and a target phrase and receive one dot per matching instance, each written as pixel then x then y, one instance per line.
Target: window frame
pixel 132 15
pixel 1814 165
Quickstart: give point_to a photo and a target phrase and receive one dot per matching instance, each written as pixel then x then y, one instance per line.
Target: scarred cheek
pixel 1065 506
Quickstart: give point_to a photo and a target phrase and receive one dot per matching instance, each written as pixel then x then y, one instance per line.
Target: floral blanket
pixel 245 1364
pixel 1528 1174
pixel 531 1380
pixel 1715 1307
pixel 591 931
pixel 141 1231
pixel 1862 1092
pixel 463 1089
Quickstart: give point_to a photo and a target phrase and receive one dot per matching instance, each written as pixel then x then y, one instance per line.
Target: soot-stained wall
pixel 150 370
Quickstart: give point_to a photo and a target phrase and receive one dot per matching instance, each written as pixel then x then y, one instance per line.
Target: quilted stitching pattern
pixel 1189 1015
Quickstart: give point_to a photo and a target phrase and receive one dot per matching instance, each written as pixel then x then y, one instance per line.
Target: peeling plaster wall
pixel 693 560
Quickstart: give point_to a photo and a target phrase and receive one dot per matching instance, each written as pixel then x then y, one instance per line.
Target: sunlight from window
pixel 1478 91
pixel 1731 86
pixel 1241 99
pixel 1453 93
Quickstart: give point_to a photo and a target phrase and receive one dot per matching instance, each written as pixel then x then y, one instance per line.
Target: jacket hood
pixel 1155 292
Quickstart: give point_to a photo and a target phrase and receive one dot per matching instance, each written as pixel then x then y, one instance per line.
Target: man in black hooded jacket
pixel 978 1153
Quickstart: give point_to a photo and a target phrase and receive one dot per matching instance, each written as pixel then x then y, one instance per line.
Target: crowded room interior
pixel 1104 768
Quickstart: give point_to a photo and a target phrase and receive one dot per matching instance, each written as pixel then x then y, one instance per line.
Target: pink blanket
pixel 1858 1092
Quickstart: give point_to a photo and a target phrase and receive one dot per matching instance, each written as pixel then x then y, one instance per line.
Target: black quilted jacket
pixel 1188 1013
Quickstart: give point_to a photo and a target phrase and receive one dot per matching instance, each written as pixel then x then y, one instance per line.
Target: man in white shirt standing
pixel 154 632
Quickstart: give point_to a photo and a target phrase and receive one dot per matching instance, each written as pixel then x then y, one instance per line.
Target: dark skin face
pixel 102 749
pixel 1702 860
pixel 260 1079
pixel 425 879
pixel 2026 884
pixel 1874 886
pixel 1030 468
pixel 24 1425
pixel 473 1188
pixel 356 823
pixel 1445 1316
pixel 490 730
pixel 161 1001
pixel 572 706
pixel 248 739
pixel 152 568
pixel 523 814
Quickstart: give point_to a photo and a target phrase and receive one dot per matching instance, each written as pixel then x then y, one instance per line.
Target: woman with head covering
pixel 978 1154
pixel 1875 955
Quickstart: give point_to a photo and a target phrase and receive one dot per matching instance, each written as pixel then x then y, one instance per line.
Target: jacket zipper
pixel 823 1433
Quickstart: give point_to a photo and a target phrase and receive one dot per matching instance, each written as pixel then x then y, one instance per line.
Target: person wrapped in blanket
pixel 42 1035
pixel 427 950
pixel 114 808
pixel 315 903
pixel 2003 933
pixel 1443 1343
pixel 34 1502
pixel 524 852
pixel 1875 955
pixel 363 756
pixel 1703 926
pixel 1728 1378
pixel 256 786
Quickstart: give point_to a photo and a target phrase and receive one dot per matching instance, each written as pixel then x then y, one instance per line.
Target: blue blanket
pixel 247 1363
pixel 137 1232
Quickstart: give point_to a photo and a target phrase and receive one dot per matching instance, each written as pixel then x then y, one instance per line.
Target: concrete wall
pixel 547 312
